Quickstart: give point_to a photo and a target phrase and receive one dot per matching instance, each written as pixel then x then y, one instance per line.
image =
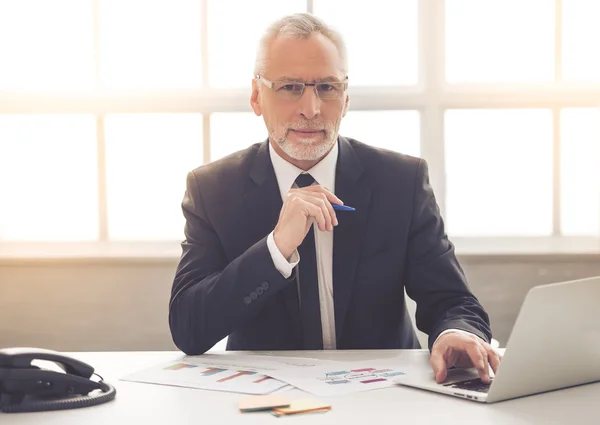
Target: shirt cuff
pixel 460 331
pixel 282 265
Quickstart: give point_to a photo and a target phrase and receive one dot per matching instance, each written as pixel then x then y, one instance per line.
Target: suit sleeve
pixel 435 279
pixel 212 297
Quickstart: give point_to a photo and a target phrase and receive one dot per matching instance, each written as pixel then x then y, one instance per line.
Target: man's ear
pixel 255 99
pixel 346 104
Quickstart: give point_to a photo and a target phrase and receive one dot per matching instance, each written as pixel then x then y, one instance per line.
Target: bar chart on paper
pixel 345 378
pixel 365 376
pixel 208 377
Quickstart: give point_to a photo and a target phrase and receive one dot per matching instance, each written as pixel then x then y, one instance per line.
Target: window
pixel 147 159
pixel 150 44
pixel 499 41
pixel 231 57
pixel 48 178
pixel 394 130
pixel 382 49
pixel 581 33
pixel 106 105
pixel 499 172
pixel 44 48
pixel 234 131
pixel 580 171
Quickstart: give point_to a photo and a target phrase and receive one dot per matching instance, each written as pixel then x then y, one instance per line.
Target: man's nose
pixel 309 103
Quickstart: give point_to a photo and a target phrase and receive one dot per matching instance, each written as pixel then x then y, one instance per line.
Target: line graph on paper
pixel 209 377
pixel 365 376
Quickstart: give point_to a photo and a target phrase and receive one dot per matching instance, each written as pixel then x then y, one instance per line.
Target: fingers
pixel 494 359
pixel 321 201
pixel 479 357
pixel 302 207
pixel 316 212
pixel 438 364
pixel 332 213
pixel 320 189
pixel 324 208
pixel 479 360
pixel 472 352
pixel 484 374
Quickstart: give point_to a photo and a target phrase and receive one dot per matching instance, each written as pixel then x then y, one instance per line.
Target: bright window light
pixel 398 131
pixel 499 172
pixel 48 178
pixel 148 157
pixel 382 50
pixel 233 131
pixel 46 45
pixel 233 37
pixel 580 172
pixel 499 41
pixel 581 35
pixel 150 44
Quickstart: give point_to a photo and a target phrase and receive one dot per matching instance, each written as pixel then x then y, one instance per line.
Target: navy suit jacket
pixel 227 285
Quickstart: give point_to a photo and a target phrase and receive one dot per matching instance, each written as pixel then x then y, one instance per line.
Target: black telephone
pixel 25 387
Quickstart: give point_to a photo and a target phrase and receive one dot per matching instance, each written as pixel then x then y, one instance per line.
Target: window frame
pixel 431 97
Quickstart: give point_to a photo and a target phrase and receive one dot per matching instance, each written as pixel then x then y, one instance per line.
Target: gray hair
pixel 300 26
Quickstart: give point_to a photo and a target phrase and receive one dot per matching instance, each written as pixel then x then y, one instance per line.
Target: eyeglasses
pixel 293 90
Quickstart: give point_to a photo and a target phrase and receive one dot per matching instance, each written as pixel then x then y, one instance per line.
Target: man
pixel 269 262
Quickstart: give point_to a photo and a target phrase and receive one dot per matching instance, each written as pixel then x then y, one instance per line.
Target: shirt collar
pixel 323 172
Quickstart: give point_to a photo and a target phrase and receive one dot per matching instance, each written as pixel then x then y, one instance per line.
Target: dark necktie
pixel 310 309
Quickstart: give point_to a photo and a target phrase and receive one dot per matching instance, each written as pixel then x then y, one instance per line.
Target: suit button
pixel 253 295
pixel 264 285
pixel 247 300
pixel 259 291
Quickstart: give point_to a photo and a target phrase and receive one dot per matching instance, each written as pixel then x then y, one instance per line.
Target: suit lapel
pixel 262 199
pixel 352 188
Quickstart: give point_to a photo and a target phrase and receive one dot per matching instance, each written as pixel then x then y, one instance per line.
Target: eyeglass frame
pixel 270 84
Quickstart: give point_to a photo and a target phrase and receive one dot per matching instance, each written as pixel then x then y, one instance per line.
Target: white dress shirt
pixel 324 175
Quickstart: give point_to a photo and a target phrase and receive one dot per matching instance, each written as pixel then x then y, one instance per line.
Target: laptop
pixel 554 344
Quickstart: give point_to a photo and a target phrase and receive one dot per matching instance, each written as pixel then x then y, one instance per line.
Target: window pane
pixel 231 132
pixel 46 44
pixel 148 157
pixel 499 172
pixel 395 130
pixel 48 178
pixel 581 32
pixel 382 49
pixel 499 41
pixel 233 38
pixel 150 44
pixel 580 177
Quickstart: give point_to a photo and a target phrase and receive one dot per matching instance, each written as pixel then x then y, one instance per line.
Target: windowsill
pixel 528 246
pixel 153 252
pixel 150 251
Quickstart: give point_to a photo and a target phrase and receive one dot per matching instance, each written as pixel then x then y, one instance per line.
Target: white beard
pixel 308 148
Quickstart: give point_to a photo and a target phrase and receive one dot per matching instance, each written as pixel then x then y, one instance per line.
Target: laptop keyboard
pixel 470 384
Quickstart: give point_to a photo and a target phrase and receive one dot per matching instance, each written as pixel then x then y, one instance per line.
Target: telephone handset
pixel 25 387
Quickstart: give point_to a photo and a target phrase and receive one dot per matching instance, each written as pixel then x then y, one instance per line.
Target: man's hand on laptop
pixel 462 350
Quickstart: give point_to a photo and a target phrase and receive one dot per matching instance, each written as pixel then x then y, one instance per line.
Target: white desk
pixel 148 404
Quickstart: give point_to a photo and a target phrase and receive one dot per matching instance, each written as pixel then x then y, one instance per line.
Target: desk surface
pixel 157 404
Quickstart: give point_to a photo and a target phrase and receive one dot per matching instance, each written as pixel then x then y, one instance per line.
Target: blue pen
pixel 338 207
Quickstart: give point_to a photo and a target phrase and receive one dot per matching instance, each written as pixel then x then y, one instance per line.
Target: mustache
pixel 309 125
